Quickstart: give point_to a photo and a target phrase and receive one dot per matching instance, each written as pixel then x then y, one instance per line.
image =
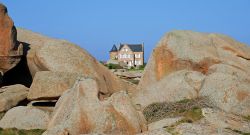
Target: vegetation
pixel 142 66
pixel 238 132
pixel 247 118
pixel 1 115
pixel 190 109
pixel 137 68
pixel 172 131
pixel 14 131
pixel 189 116
pixel 113 66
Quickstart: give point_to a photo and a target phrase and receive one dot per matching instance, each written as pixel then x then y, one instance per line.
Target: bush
pixel 247 118
pixel 188 108
pixel 113 66
pixel 1 115
pixel 14 131
pixel 142 67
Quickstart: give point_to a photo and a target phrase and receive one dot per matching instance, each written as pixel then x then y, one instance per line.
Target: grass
pixel 172 131
pixel 184 101
pixel 187 108
pixel 1 115
pixel 140 68
pixel 247 118
pixel 239 132
pixel 189 116
pixel 14 131
pixel 192 115
pixel 113 66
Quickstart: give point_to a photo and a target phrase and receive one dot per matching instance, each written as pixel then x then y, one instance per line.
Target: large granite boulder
pixel 177 86
pixel 228 91
pixel 10 49
pixel 224 120
pixel 223 67
pixel 201 129
pixel 10 96
pixel 79 111
pixel 47 54
pixel 50 85
pixel 27 118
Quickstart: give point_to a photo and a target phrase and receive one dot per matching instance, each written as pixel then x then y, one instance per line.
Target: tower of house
pixel 113 53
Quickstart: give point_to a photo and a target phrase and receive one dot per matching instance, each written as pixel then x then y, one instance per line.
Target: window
pixel 137 55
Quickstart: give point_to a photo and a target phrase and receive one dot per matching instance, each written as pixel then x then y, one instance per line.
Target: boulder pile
pixel 195 83
pixel 186 65
pixel 10 49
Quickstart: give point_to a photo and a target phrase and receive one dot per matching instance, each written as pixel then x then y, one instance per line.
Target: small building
pixel 132 55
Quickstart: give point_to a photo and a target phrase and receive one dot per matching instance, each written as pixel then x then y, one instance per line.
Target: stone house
pixel 132 55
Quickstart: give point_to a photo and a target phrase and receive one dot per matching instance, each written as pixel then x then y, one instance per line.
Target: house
pixel 132 55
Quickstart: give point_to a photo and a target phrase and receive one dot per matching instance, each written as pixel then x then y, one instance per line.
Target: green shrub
pixel 1 115
pixel 184 101
pixel 188 108
pixel 114 66
pixel 14 131
pixel 247 117
pixel 238 132
pixel 142 67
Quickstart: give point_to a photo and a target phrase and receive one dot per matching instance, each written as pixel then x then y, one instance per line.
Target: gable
pixel 125 47
pixel 133 47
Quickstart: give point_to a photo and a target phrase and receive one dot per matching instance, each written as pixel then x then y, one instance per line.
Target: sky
pixel 96 25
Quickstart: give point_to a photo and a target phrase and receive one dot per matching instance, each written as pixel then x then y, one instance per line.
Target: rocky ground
pixel 194 84
pixel 130 76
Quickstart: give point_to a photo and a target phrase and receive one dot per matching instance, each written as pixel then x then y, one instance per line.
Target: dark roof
pixel 133 47
pixel 114 49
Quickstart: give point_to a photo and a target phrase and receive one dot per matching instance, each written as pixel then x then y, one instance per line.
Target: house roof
pixel 114 49
pixel 133 47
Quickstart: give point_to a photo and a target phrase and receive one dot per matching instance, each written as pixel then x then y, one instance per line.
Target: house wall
pixel 126 55
pixel 129 57
pixel 113 55
pixel 139 58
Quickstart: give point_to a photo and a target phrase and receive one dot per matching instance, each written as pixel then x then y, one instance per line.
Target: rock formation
pixel 72 93
pixel 23 117
pixel 203 64
pixel 10 49
pixel 50 85
pixel 79 111
pixel 47 54
pixel 10 96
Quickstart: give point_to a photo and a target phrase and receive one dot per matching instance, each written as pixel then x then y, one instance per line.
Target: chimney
pixel 143 52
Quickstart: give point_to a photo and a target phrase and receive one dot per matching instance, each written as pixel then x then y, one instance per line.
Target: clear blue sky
pixel 96 25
